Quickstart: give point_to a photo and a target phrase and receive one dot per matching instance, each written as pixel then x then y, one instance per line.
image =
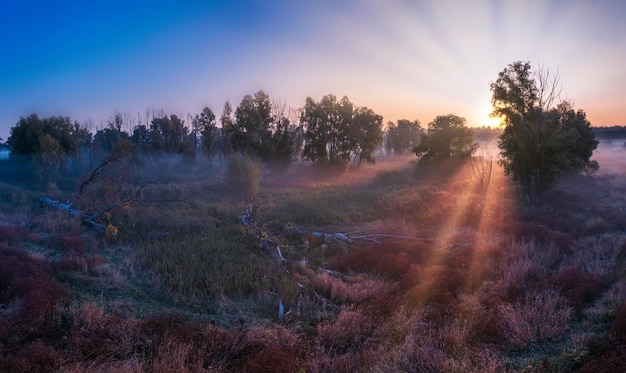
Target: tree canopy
pixel 447 137
pixel 403 136
pixel 541 140
pixel 26 136
pixel 336 131
pixel 261 130
pixel 205 128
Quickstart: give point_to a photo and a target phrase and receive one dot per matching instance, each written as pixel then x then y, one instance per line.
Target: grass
pixel 475 283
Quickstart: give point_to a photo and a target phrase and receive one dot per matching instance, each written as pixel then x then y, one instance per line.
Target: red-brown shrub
pixel 33 358
pixel 12 234
pixel 541 316
pixel 373 296
pixel 612 361
pixel 617 330
pixel 595 345
pixel 95 261
pixel 95 334
pixel 255 347
pixel 272 358
pixel 171 326
pixel 609 355
pixel 390 259
pixel 64 265
pixel 487 328
pixel 578 287
pixel 70 244
pixel 28 285
pixel 620 259
pixel 348 332
pixel 540 234
pixel 617 220
pixel 40 300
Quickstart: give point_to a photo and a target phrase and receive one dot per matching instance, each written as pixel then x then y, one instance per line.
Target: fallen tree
pixel 90 216
pixel 89 219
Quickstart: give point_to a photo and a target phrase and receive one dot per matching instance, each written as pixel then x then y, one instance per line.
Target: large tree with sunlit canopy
pixel 542 139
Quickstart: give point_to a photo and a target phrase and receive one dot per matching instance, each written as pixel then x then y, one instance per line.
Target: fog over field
pixel 313 186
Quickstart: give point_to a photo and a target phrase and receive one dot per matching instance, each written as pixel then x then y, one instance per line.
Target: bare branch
pixel 116 205
pixel 549 87
pixel 94 174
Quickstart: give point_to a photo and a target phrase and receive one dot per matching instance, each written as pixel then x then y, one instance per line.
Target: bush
pixel 243 175
pixel 541 316
pixel 262 349
pixel 617 330
pixel 390 259
pixel 70 244
pixel 578 287
pixel 12 234
pixel 28 288
pixel 35 357
pixel 348 332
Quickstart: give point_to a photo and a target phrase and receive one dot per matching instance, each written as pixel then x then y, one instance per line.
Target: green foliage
pixel 403 136
pixel 44 145
pixel 203 125
pixel 25 136
pixel 286 140
pixel 225 146
pixel 48 159
pixel 336 131
pixel 539 143
pixel 259 132
pixel 106 139
pixel 581 149
pixel 167 133
pixel 447 137
pixel 251 131
pixel 243 175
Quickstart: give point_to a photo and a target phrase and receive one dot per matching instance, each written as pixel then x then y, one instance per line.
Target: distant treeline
pixel 613 132
pixel 329 131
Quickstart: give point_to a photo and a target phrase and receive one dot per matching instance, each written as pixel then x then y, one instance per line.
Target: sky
pixel 403 59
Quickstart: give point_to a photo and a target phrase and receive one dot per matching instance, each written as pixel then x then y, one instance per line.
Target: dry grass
pixel 188 289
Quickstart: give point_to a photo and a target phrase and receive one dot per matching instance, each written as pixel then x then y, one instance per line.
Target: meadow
pixel 392 267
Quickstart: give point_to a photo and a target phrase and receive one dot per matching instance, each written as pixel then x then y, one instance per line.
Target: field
pixel 392 267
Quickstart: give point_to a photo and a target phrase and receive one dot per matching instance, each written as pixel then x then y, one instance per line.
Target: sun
pixel 494 122
pixel 486 119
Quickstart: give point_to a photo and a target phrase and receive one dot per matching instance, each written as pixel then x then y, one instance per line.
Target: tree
pixel 337 132
pixel 447 137
pixel 367 134
pixel 262 130
pixel 48 159
pixel 403 136
pixel 582 148
pixel 167 132
pixel 224 144
pixel 540 141
pixel 252 130
pixel 25 136
pixel 106 138
pixel 286 141
pixel 204 124
pixel 140 137
pixel 47 144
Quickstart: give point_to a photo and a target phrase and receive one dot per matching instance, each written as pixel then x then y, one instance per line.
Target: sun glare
pixel 493 122
pixel 488 120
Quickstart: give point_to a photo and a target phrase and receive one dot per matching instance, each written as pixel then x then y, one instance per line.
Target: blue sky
pixel 404 59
